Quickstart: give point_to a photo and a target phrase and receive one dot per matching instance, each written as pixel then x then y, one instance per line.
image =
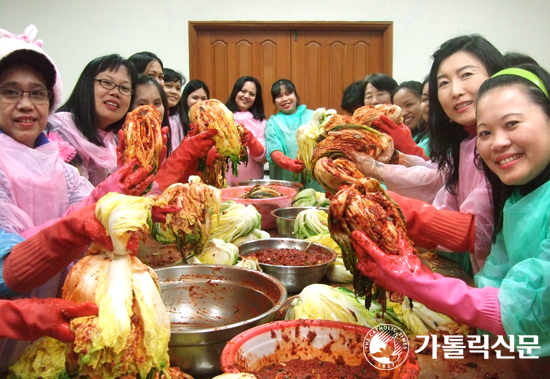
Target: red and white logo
pixel 386 347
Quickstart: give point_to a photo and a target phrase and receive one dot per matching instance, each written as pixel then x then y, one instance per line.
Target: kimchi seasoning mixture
pixel 316 369
pixel 292 257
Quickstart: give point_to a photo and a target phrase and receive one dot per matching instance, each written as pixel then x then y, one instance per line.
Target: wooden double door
pixel 321 59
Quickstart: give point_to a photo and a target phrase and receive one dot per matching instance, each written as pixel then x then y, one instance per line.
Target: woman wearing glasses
pixel 93 114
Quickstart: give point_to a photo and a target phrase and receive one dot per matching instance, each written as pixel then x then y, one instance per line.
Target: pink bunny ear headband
pixel 24 45
pixel 28 35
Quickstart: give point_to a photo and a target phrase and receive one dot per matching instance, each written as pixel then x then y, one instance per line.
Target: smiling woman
pixel 93 114
pixel 247 105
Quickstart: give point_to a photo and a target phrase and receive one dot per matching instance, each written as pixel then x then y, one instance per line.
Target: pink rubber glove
pixel 183 161
pixel 289 164
pixel 402 137
pixel 254 146
pixel 406 275
pixel 36 260
pixel 30 319
pixel 430 227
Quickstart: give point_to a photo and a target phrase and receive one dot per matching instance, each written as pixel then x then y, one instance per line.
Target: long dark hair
pixel 445 134
pixel 500 191
pixel 146 80
pixel 173 77
pixel 81 103
pixel 142 59
pixel 191 87
pixel 257 108
pixel 415 87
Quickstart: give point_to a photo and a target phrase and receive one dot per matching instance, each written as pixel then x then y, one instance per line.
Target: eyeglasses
pixel 107 84
pixel 14 95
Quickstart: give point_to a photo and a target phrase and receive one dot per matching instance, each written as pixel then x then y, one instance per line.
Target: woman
pixel 513 129
pixel 246 103
pixel 173 84
pixel 148 91
pixel 94 113
pixel 461 217
pixel 37 187
pixel 377 89
pixel 280 132
pixel 352 97
pixel 147 63
pixel 194 92
pixel 408 96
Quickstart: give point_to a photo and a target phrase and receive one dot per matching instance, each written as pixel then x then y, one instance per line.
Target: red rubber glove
pixel 158 214
pixel 430 227
pixel 402 137
pixel 127 180
pixel 184 158
pixel 406 275
pixel 30 319
pixel 254 146
pixel 212 156
pixel 36 260
pixel 289 164
pixel 122 146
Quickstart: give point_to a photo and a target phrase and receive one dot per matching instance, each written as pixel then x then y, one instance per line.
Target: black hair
pixel 500 191
pixel 276 90
pixel 352 97
pixel 445 134
pixel 257 108
pixel 412 85
pixel 415 87
pixel 514 59
pixel 81 103
pixel 146 80
pixel 174 77
pixel 142 59
pixel 381 82
pixel 37 62
pixel 191 87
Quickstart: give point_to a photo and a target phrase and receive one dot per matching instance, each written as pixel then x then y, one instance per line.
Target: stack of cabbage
pixel 234 225
pixel 213 114
pixel 312 225
pixel 129 337
pixel 307 135
pixel 332 144
pixel 323 302
pixel 310 198
pixel 131 333
pixel 190 227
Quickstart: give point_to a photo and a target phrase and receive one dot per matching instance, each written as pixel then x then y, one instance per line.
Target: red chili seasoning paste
pixel 293 257
pixel 316 369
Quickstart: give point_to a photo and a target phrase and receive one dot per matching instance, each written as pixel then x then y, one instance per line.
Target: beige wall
pixel 76 31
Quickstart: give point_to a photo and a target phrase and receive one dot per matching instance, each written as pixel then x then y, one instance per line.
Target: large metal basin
pixel 274 182
pixel 208 305
pixel 295 278
pixel 285 217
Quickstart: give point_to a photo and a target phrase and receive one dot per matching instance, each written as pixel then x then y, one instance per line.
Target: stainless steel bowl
pixel 295 278
pixel 265 182
pixel 285 217
pixel 208 305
